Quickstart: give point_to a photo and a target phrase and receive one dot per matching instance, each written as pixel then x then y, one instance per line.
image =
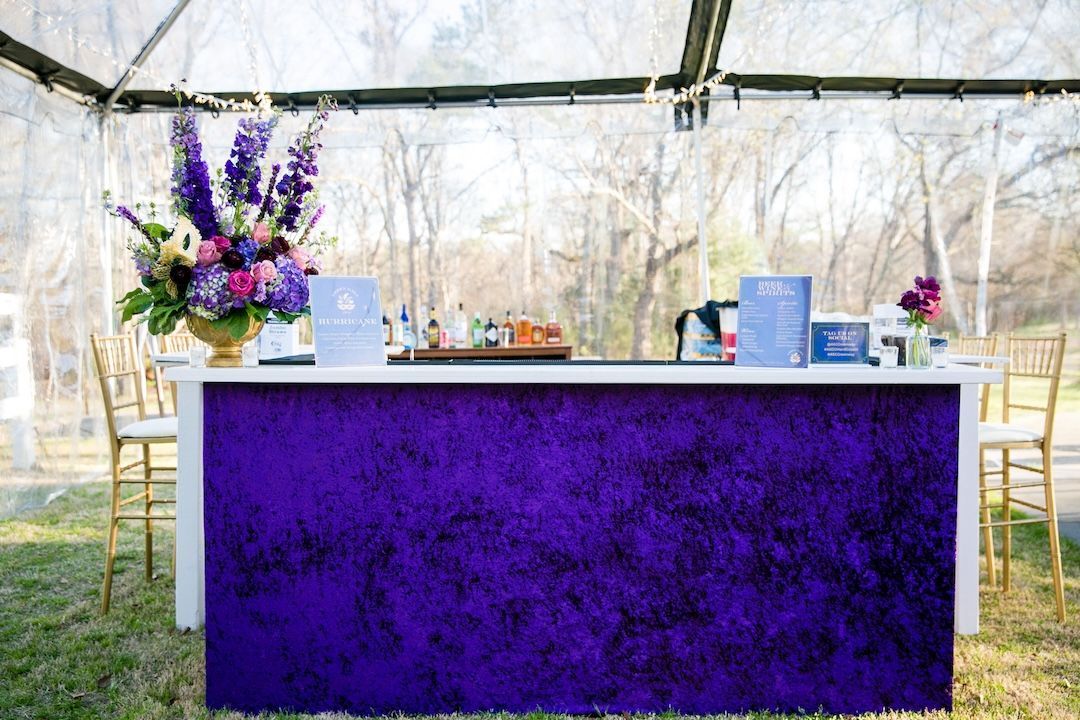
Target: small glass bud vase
pixel 917 350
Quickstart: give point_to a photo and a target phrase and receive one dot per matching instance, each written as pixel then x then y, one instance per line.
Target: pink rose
pixel 222 243
pixel 261 233
pixel 264 271
pixel 300 257
pixel 207 253
pixel 241 283
pixel 933 313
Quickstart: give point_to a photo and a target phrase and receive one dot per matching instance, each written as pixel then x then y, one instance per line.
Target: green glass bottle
pixel 477 332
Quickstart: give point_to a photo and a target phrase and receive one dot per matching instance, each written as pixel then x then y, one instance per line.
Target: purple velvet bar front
pixel 438 548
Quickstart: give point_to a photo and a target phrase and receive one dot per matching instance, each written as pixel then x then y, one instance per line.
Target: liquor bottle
pixel 491 334
pixel 506 335
pixel 446 335
pixel 406 328
pixel 477 332
pixel 553 331
pixel 461 328
pixel 524 329
pixel 433 334
pixel 385 330
pixel 537 332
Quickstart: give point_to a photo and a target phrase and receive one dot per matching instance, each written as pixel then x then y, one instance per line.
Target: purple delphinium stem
pixel 268 199
pixel 191 179
pixel 124 212
pixel 242 171
pixel 304 151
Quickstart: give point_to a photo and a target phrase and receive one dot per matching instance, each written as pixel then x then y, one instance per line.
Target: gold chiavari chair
pixel 1037 359
pixel 119 372
pixel 173 343
pixel 986 345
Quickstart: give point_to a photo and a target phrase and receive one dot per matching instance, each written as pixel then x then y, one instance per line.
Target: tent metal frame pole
pixel 108 314
pixel 703 243
pixel 615 100
pixel 152 43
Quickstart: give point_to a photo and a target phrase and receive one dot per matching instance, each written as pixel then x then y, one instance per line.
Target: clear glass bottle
pixel 461 328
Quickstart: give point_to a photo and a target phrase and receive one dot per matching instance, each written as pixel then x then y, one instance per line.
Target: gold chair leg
pixel 1006 530
pixel 149 529
pixel 110 545
pixel 1055 544
pixel 988 532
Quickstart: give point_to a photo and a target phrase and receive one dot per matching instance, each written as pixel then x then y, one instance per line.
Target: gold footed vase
pixel 224 349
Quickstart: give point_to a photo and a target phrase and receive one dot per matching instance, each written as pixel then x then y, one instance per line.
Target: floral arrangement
pixel 239 248
pixel 922 302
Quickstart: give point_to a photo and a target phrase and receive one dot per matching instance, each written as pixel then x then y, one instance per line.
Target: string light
pixel 1042 99
pixel 55 22
pixel 685 94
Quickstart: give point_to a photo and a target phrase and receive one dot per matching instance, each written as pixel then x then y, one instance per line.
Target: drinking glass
pixel 939 356
pixel 197 356
pixel 889 355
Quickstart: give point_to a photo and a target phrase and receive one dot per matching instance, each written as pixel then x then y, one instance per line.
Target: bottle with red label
pixel 553 331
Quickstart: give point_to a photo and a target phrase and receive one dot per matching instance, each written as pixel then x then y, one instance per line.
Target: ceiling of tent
pixel 400 52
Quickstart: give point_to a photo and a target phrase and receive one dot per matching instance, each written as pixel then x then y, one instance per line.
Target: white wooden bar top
pixel 495 372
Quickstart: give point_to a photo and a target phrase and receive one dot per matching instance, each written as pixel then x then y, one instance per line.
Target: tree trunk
pixel 986 232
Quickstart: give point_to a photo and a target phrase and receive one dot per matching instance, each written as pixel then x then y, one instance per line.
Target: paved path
pixel 1066 471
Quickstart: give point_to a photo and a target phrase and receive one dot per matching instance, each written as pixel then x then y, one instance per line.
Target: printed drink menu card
pixel 346 320
pixel 774 321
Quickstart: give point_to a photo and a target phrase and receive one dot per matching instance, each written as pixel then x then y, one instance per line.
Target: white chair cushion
pixel 153 428
pixel 1003 433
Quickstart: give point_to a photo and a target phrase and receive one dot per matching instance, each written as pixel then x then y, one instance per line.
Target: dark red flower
pixel 181 275
pixel 265 253
pixel 279 245
pixel 232 259
pixel 311 271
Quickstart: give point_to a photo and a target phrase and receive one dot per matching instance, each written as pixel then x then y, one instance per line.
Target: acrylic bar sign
pixel 840 343
pixel 346 319
pixel 774 321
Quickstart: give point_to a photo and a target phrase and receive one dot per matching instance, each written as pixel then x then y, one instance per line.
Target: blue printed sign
pixel 346 319
pixel 774 321
pixel 840 343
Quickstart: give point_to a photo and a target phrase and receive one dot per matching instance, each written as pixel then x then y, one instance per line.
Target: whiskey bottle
pixel 506 335
pixel 433 335
pixel 491 334
pixel 553 331
pixel 537 332
pixel 524 330
pixel 385 330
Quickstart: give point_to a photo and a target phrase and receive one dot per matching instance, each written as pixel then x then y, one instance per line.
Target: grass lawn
pixel 60 659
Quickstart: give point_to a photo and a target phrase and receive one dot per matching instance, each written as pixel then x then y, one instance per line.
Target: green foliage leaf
pixel 138 302
pixel 287 317
pixel 133 293
pixel 238 325
pixel 156 230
